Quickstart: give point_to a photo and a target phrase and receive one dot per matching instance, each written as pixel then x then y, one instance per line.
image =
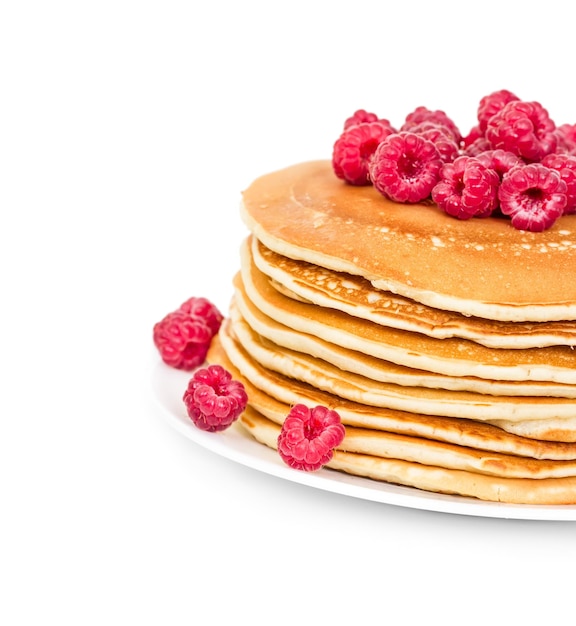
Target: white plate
pixel 169 385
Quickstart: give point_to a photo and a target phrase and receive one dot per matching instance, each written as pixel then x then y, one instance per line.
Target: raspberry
pixel 467 188
pixel 183 336
pixel 477 147
pixel 423 114
pixel 203 308
pixel 501 161
pixel 523 128
pixel 214 401
pixel 308 437
pixel 353 151
pixel 405 167
pixel 441 137
pixel 491 104
pixel 474 134
pixel 533 195
pixel 565 165
pixel 182 340
pixel 566 136
pixel 361 116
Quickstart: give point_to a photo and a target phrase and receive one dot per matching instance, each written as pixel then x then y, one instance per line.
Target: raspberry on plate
pixel 467 188
pixel 533 195
pixel 308 437
pixel 523 128
pixel 182 340
pixel 183 336
pixel 213 399
pixel 405 167
pixel 204 309
pixel 354 149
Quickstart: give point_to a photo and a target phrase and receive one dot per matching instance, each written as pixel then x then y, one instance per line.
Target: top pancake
pixel 479 267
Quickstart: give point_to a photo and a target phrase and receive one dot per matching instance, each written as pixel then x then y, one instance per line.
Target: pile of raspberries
pixel 515 162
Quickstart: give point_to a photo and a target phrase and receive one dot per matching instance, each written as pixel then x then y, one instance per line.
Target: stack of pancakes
pixel 446 346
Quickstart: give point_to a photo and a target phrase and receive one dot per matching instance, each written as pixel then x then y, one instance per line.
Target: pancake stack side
pixel 447 347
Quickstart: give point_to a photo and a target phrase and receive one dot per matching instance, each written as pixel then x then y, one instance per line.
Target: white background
pixel 127 133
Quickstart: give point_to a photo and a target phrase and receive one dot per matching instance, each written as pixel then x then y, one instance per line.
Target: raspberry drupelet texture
pixel 501 161
pixel 359 117
pixel 182 340
pixel 441 137
pixel 439 118
pixel 213 399
pixel 204 309
pixel 533 195
pixel 309 436
pixel 362 116
pixel 523 128
pixel 565 165
pixel 183 336
pixel 491 104
pixel 477 147
pixel 354 149
pixel 566 136
pixel 405 167
pixel 467 188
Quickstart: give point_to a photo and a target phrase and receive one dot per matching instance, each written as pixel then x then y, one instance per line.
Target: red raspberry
pixel 405 167
pixel 474 134
pixel 203 308
pixel 533 195
pixel 441 137
pixel 491 104
pixel 477 147
pixel 182 340
pixel 183 336
pixel 213 400
pixel 308 437
pixel 467 188
pixel 423 114
pixel 523 128
pixel 353 151
pixel 361 116
pixel 501 161
pixel 566 136
pixel 565 165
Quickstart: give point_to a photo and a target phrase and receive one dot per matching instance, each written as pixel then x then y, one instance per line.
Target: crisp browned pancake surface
pixel 358 297
pixel 483 267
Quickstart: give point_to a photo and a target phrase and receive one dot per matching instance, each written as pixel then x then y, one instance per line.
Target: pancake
pixel 557 415
pixel 440 467
pixel 448 348
pixel 451 357
pixel 377 369
pixel 357 296
pixel 365 390
pixel 272 393
pixel 539 491
pixel 483 267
